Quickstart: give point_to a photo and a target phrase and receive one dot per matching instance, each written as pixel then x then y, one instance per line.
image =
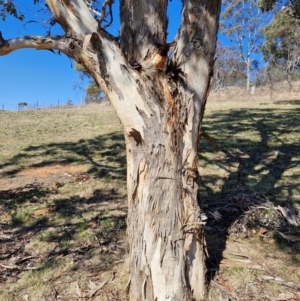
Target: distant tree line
pixel 266 29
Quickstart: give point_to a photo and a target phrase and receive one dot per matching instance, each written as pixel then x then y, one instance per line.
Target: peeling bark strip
pixel 160 102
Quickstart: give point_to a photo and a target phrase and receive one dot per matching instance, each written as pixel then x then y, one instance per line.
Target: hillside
pixel 63 202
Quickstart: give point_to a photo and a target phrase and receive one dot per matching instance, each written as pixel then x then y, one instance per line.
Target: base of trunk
pixel 164 227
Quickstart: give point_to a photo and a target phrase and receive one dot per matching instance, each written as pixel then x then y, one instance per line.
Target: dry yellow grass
pixel 281 91
pixel 62 175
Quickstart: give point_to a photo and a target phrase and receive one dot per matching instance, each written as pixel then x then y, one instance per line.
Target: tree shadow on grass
pixel 74 226
pixel 106 157
pixel 105 154
pixel 285 102
pixel 258 161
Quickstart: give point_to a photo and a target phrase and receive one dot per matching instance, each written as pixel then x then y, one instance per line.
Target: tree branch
pixel 196 42
pixel 104 13
pixel 143 28
pixel 38 42
pixel 73 16
pixel 197 33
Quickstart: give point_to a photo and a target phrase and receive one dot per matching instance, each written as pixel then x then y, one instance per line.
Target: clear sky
pixel 32 76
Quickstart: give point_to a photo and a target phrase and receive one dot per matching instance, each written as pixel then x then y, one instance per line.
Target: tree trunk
pixel 164 227
pixel 271 84
pixel 248 73
pixel 161 117
pixel 159 96
pixel 164 221
pixel 290 81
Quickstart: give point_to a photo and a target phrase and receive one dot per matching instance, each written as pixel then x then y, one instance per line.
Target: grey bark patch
pixel 137 137
pixel 103 66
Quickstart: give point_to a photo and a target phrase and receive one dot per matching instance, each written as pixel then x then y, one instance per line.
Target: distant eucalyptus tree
pixel 292 7
pixel 229 68
pixel 241 22
pixel 282 45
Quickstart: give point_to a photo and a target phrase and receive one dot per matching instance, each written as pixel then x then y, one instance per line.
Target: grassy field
pixel 63 202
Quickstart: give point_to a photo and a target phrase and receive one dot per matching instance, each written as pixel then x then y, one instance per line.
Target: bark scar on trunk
pixel 136 135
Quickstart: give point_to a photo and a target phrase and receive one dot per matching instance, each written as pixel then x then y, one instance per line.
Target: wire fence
pixel 25 106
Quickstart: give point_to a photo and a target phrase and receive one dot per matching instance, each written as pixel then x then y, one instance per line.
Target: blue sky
pixel 32 76
pixel 40 76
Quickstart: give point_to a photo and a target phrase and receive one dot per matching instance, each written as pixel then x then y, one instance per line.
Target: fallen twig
pixel 58 276
pixel 238 254
pixel 289 213
pixel 56 294
pixel 98 241
pixel 15 267
pixel 25 259
pixel 289 237
pixel 97 288
pixel 224 289
pixel 280 281
pixel 10 254
pixel 246 263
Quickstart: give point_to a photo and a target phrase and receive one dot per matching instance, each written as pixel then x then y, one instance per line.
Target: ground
pixel 63 202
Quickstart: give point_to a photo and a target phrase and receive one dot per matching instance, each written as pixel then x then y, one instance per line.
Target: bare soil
pixel 48 175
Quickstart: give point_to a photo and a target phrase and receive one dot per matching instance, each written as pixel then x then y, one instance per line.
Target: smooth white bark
pixel 37 42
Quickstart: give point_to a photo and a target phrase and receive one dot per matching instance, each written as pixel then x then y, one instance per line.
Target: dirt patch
pixel 48 175
pixel 46 171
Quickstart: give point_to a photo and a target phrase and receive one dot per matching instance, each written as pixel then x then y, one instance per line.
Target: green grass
pixel 72 161
pixel 258 147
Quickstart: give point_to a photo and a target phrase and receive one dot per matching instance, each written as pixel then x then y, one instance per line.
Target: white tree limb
pixel 73 16
pixel 37 42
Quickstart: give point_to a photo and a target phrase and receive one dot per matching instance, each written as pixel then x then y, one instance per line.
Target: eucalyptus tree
pixel 281 48
pixel 229 68
pixel 292 7
pixel 242 21
pixel 282 45
pixel 158 91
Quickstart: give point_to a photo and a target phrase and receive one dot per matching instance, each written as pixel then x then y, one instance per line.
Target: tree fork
pixel 160 101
